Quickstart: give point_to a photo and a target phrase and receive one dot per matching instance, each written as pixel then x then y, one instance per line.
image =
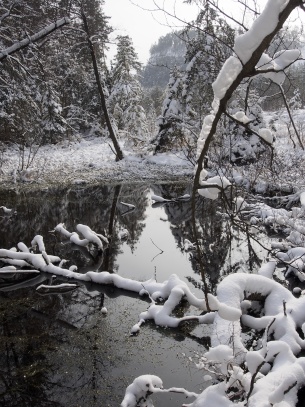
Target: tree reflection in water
pixel 60 350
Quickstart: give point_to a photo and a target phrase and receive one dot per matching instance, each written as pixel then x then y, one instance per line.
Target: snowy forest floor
pixel 87 161
pixel 90 160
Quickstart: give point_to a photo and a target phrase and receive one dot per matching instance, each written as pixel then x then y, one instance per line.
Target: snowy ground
pixel 89 161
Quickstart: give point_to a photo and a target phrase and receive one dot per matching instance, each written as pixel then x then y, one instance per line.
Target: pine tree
pixel 190 92
pixel 125 99
pixel 239 145
pixel 208 46
pixel 171 116
pixel 28 71
pixel 58 67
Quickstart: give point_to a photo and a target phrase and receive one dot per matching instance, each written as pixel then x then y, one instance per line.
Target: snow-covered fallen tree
pixel 89 236
pixel 268 371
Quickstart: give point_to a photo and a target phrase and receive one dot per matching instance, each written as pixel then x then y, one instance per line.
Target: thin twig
pixel 162 251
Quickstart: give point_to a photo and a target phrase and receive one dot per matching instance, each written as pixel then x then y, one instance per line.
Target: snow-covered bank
pixel 88 160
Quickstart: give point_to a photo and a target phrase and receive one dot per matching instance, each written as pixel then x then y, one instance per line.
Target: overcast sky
pixel 145 26
pixel 144 23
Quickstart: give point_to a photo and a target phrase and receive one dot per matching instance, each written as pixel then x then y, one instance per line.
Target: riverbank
pixel 87 161
pixel 90 161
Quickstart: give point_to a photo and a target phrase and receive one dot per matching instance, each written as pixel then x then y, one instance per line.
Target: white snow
pixel 140 389
pixel 5 209
pixel 221 182
pixel 123 234
pixel 206 128
pixel 212 185
pixel 280 61
pixel 90 160
pixel 188 245
pixel 89 235
pixel 221 354
pixel 246 43
pixel 267 135
pixel 283 316
pixel 130 206
pixel 57 286
pixel 229 72
pixel 157 198
pixel 104 310
pixel 241 117
pixel 302 199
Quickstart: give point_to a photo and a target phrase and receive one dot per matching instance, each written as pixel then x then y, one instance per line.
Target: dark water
pixel 60 350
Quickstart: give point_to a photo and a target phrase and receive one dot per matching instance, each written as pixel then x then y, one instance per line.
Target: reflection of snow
pixel 5 209
pixel 281 318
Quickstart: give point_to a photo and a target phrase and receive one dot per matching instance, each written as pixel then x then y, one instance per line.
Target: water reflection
pixel 60 350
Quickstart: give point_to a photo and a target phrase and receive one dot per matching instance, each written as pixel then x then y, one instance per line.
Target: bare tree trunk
pixel 291 118
pixel 118 151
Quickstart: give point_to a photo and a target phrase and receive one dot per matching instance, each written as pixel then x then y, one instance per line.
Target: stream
pixel 60 349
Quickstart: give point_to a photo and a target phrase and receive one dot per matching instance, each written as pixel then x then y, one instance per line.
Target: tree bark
pixel 118 151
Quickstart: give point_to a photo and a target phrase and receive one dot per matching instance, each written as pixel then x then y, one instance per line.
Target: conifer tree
pixel 171 116
pixel 208 44
pixel 125 99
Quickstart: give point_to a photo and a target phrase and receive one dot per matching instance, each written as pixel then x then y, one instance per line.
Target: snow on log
pixel 130 206
pixel 61 228
pixel 6 210
pixel 38 241
pixel 90 235
pixel 33 38
pixel 140 389
pixel 157 198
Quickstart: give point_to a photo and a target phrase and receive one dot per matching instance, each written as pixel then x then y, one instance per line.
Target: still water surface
pixel 60 350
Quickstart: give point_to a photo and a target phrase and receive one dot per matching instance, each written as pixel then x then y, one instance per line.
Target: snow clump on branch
pixel 89 236
pixel 245 46
pixel 266 364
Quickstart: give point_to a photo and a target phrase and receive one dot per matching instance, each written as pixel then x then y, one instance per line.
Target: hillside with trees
pixel 167 53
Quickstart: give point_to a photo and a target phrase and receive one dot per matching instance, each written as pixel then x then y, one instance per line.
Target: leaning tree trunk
pixel 118 151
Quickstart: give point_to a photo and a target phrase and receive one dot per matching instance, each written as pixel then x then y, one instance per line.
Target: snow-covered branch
pixel 264 134
pixel 33 38
pixel 8 12
pixel 249 49
pixel 271 361
pixel 89 236
pixel 290 115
